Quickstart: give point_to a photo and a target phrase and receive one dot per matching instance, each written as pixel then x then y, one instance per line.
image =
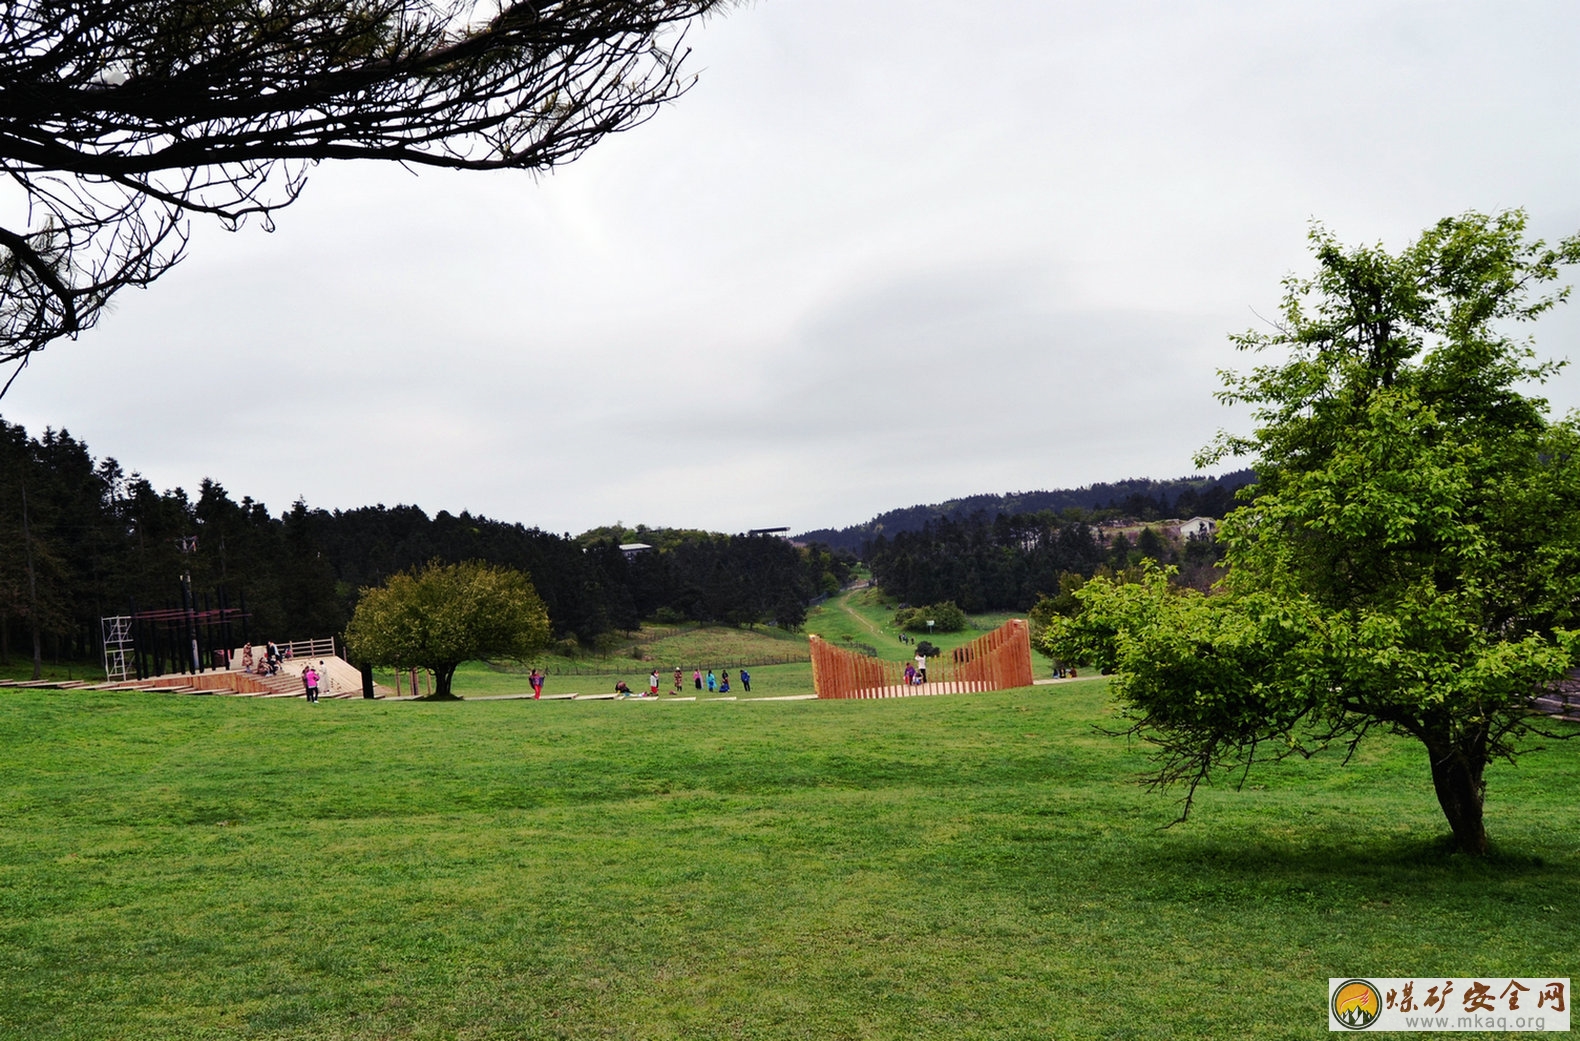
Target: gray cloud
pixel 883 253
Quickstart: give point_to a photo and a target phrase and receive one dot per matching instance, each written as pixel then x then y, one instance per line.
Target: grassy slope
pixel 660 647
pixel 861 615
pixel 866 616
pixel 971 866
pixel 20 667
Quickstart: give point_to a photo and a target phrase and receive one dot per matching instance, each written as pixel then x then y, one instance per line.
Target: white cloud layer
pixel 884 253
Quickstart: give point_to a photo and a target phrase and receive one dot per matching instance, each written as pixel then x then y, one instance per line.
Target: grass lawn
pixel 476 680
pixel 863 616
pixel 20 667
pixel 866 616
pixel 656 646
pixel 972 866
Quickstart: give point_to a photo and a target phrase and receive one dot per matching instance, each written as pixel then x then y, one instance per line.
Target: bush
pixel 606 644
pixel 946 618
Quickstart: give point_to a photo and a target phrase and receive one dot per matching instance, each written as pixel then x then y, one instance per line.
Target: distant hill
pixel 1193 496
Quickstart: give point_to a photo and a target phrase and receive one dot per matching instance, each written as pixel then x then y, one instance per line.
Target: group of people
pixel 916 673
pixel 713 683
pixel 268 666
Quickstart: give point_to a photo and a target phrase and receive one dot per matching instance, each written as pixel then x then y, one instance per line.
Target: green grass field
pixel 862 616
pixel 974 866
pixel 866 616
pixel 476 680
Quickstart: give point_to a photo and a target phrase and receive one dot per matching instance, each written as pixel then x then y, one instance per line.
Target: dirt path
pixel 844 603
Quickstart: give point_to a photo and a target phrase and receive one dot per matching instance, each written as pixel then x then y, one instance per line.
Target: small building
pixel 1196 527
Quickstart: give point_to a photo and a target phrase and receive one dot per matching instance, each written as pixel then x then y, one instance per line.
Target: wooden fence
pixel 997 661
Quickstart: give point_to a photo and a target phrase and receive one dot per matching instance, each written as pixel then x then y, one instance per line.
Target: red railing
pixel 998 661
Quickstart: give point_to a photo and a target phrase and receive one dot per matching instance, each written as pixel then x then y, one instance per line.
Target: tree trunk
pixel 1457 777
pixel 32 591
pixel 442 675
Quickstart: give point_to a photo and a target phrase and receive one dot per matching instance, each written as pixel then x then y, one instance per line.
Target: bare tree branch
pixel 119 119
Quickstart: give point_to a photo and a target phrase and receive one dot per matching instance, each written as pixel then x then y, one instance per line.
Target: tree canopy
pixel 104 541
pixel 441 615
pixel 1409 560
pixel 118 120
pixel 1139 498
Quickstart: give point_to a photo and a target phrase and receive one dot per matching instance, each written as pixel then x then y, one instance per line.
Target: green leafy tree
pixel 1154 547
pixel 1048 607
pixel 1410 558
pixel 441 615
pixel 947 617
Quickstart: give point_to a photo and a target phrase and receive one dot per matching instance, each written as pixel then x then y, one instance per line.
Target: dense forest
pixel 1010 562
pixel 1143 500
pixel 81 539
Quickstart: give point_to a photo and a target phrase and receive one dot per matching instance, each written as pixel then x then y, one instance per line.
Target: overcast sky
pixel 885 252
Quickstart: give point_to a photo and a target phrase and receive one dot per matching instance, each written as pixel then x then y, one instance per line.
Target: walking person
pixel 677 681
pixel 696 677
pixel 652 684
pixel 746 681
pixel 713 683
pixel 536 679
pixel 310 682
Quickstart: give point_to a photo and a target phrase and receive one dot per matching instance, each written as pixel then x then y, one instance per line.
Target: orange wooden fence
pixel 997 661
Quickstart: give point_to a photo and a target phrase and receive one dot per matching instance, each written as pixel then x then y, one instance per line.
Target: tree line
pixel 1141 499
pixel 81 539
pixel 1011 562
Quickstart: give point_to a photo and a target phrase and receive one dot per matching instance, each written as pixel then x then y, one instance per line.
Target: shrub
pixel 946 618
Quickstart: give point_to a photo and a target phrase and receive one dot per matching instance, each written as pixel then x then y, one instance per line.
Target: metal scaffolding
pixel 176 639
pixel 119 648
